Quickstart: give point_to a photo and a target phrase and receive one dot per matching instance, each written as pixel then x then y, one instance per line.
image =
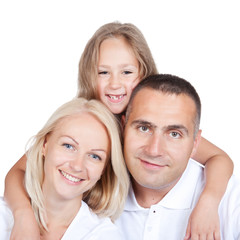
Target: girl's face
pixel 76 153
pixel 118 73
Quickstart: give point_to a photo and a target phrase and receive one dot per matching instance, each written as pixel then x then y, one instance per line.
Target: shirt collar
pixel 180 196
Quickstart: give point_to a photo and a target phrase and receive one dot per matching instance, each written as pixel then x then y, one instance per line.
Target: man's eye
pixel 68 146
pixel 95 156
pixel 175 135
pixel 144 128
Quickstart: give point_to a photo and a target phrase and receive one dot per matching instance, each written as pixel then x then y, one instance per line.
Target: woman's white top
pixel 85 226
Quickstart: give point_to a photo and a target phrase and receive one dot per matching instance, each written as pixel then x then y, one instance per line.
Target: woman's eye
pixel 95 156
pixel 175 135
pixel 68 146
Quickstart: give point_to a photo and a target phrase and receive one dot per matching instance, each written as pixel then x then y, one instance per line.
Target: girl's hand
pixel 204 223
pixel 25 226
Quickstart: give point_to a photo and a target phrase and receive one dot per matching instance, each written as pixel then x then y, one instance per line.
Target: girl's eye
pixel 68 146
pixel 95 156
pixel 102 72
pixel 127 72
pixel 175 135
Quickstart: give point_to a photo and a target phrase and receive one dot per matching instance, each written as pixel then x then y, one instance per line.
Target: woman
pixel 75 176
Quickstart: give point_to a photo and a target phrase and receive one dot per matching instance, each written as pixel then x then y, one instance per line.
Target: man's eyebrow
pixel 177 127
pixel 143 122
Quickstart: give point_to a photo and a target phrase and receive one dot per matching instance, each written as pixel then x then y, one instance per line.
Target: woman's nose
pixel 78 164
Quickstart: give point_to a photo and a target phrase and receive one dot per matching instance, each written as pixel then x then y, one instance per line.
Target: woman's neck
pixel 60 213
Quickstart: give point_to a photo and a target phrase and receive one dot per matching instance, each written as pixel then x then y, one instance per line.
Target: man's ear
pixel 196 142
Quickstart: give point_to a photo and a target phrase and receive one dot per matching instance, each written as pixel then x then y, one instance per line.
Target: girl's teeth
pixel 115 97
pixel 69 177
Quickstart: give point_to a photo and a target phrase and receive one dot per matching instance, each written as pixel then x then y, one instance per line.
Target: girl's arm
pixel 25 224
pixel 204 220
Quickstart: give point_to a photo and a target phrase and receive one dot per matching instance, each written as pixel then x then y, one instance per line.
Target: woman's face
pixel 76 153
pixel 118 74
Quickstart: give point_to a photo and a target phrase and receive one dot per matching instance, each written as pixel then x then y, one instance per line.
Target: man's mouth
pixel 70 177
pixel 152 165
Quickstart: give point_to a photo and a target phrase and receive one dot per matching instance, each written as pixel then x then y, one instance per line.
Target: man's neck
pixel 146 197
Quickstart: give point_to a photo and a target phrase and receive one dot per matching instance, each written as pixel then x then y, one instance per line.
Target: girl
pixel 77 155
pixel 114 61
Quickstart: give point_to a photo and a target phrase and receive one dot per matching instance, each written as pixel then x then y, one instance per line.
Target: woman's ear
pixel 44 148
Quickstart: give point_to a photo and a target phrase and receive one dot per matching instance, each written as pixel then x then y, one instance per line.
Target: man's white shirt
pixel 168 219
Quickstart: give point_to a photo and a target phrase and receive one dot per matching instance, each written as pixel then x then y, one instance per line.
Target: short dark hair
pixel 168 84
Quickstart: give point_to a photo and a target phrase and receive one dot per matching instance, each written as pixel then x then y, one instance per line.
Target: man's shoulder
pixel 229 210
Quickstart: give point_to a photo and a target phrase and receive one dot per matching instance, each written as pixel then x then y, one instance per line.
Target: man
pixel 161 134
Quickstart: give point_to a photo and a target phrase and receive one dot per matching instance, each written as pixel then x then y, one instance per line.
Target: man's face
pixel 159 138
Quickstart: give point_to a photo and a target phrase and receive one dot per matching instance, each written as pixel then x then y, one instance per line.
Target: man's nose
pixel 155 146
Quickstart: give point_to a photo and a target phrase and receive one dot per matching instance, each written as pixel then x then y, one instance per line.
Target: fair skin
pixel 75 154
pixel 118 75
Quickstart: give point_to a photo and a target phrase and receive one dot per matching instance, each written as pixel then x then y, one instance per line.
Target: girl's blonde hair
pixel 108 196
pixel 88 65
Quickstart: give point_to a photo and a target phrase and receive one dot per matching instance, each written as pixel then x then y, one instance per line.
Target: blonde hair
pixel 108 196
pixel 88 70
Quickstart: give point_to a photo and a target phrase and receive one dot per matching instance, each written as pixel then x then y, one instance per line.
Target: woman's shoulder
pixel 95 220
pixel 5 211
pixel 91 227
pixel 6 220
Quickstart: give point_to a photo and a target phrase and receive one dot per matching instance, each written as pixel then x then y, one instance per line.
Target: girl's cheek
pixel 135 82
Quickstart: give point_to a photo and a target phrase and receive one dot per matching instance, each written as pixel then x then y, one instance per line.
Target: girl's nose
pixel 115 81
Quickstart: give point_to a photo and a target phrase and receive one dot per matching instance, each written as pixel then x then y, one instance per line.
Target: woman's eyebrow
pixel 70 138
pixel 98 149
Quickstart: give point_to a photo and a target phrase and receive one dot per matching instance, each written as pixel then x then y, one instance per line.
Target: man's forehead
pixel 147 99
pixel 147 96
pixel 149 104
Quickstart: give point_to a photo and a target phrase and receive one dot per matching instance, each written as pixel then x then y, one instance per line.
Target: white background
pixel 41 43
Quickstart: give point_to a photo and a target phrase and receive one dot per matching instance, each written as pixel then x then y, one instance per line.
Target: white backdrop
pixel 41 43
